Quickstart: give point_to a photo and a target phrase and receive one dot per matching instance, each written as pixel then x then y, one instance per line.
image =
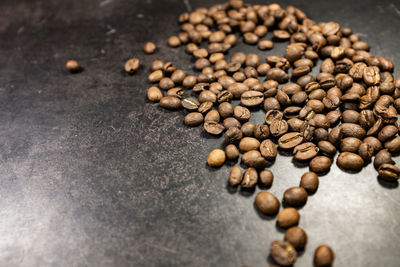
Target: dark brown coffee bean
pixel 319 121
pixel 193 119
pixel 154 94
pixel 295 196
pixel 350 161
pixel 166 83
pixel 271 103
pixel 383 157
pixel 333 116
pixel 216 158
pixel 294 52
pixel 225 109
pixel 266 178
pixel 290 140
pixel 350 144
pixel 241 113
pixel 248 128
pixel 371 75
pixel 297 237
pixel 250 178
pixel 305 151
pixel 327 148
pixel 320 134
pixel 254 159
pixel 320 164
pixel 393 145
pixel 235 176
pixel 283 253
pixel 309 181
pixel 267 203
pixel 331 101
pixel 318 94
pixel 374 130
pixel 307 131
pixel 212 115
pixel 170 102
pixel 291 88
pixel 268 149
pixel 387 132
pixel 278 128
pixel 213 127
pixel 374 143
pixel 176 91
pixel 233 135
pixel 261 131
pixel 265 45
pixel 237 89
pixel 231 152
pixel 131 65
pixel 323 256
pixel 205 107
pixel 295 124
pixel 352 130
pixel 389 172
pixel 288 217
pixel 366 119
pixel 251 98
pixel 366 151
pixel 283 98
pixel 278 75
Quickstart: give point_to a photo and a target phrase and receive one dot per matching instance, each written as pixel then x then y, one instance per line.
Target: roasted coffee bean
pixel 193 119
pixel 149 48
pixel 241 113
pixel 154 94
pixel 352 130
pixel 266 178
pixel 323 256
pixel 272 115
pixel 383 157
pixel 318 94
pixel 254 159
pixel 250 178
pixel 248 128
pixel 261 131
pixel 267 203
pixel 170 102
pixel 189 81
pixel 366 151
pixel 224 96
pixel 299 98
pixel 233 135
pixel 393 145
pixel 327 148
pixel 320 164
pixel 216 158
pixel 265 45
pixel 252 60
pixel 73 66
pixel 225 109
pixel 387 132
pixel 371 75
pixel 213 127
pixel 333 116
pixel 278 127
pixel 174 41
pixel 262 69
pixel 321 134
pixel 283 253
pixel 251 98
pixel 131 65
pixel 295 124
pixel 305 151
pixel 367 119
pixel 156 65
pixel 212 115
pixel 295 196
pixel 350 161
pixel 231 152
pixel 319 121
pixel 290 140
pixel 205 107
pixel 283 98
pixel 237 89
pixel 294 52
pixel 374 130
pixel 374 143
pixel 271 103
pixel 307 131
pixel 235 176
pixel 249 143
pixel 350 144
pixel 176 91
pixel 288 217
pixel 389 172
pixel 278 75
pixel 309 181
pixel 281 34
pixel 268 149
pixel 297 237
pixel 166 83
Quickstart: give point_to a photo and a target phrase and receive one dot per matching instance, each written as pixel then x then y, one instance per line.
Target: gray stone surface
pixel 92 174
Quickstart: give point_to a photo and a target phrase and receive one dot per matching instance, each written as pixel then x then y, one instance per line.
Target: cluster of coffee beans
pixel 349 108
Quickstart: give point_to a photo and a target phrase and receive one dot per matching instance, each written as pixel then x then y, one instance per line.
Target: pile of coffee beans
pixel 349 108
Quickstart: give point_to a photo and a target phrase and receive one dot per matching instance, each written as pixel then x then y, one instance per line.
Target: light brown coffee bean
pixel 267 203
pixel 193 119
pixel 283 253
pixel 154 94
pixel 216 158
pixel 288 217
pixel 235 176
pixel 320 164
pixel 309 181
pixel 250 178
pixel 297 237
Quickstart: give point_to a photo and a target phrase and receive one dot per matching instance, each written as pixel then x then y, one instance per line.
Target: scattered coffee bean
pixel 320 164
pixel 154 94
pixel 213 127
pixel 193 119
pixel 216 158
pixel 267 203
pixel 388 172
pixel 323 256
pixel 73 66
pixel 350 161
pixel 235 177
pixel 149 48
pixel 305 151
pixel 266 178
pixel 309 181
pixel 288 217
pixel 283 253
pixel 131 65
pixel 232 152
pixel 295 196
pixel 297 237
pixel 290 140
pixel 250 178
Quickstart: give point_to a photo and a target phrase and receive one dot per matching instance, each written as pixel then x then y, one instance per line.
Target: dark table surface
pixel 92 174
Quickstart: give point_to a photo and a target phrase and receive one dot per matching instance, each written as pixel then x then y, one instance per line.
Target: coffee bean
pixel 216 158
pixel 295 196
pixel 278 127
pixel 131 65
pixel 212 115
pixel 320 164
pixel 281 34
pixel 366 151
pixel 267 203
pixel 73 66
pixel 190 104
pixel 205 107
pixel 268 149
pixel 174 41
pixel 249 143
pixel 297 237
pixel 350 161
pixel 393 145
pixel 295 124
pixel 261 131
pixel 333 116
pixel 350 144
pixel 170 102
pixel 241 113
pixel 271 103
pixel 283 253
pixel 251 98
pixel 233 135
pixel 149 48
pixel 235 176
pixel 272 115
pixel 265 45
pixel 248 128
pixel 225 109
pixel 254 159
pixel 278 75
pixel 327 148
pixel 237 89
pixel 250 178
pixel 176 91
pixel 371 75
pixel 383 157
pixel 154 94
pixel 213 127
pixel 389 172
pixel 323 256
pixel 387 132
pixel 374 143
pixel 352 130
pixel 288 217
pixel 266 178
pixel 290 140
pixel 309 181
pixel 305 151
pixel 193 119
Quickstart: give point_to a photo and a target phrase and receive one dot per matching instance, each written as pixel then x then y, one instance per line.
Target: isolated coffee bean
pixel 268 149
pixel 266 178
pixel 309 181
pixel 267 203
pixel 323 256
pixel 74 67
pixel 297 237
pixel 149 48
pixel 193 119
pixel 249 143
pixel 389 172
pixel 295 196
pixel 283 253
pixel 290 140
pixel 383 157
pixel 131 65
pixel 320 164
pixel 216 158
pixel 288 217
pixel 213 127
pixel 350 161
pixel 250 178
pixel 305 151
pixel 235 176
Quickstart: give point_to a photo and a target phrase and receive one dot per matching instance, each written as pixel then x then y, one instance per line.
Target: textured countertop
pixel 92 174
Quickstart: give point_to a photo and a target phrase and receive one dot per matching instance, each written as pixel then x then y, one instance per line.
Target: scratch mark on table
pixel 188 5
pixel 161 248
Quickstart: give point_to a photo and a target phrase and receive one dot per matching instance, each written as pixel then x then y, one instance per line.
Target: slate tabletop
pixel 92 174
